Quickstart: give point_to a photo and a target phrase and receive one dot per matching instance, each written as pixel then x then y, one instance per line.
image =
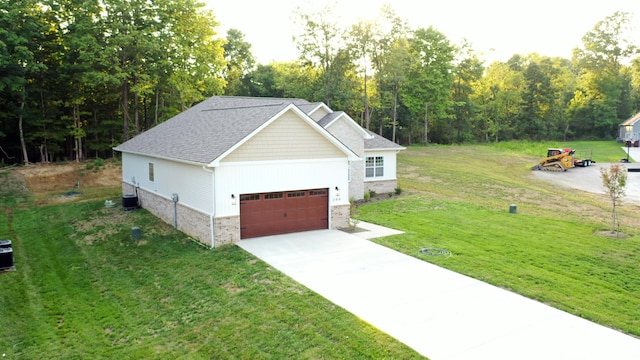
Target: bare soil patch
pixel 14 183
pixel 66 177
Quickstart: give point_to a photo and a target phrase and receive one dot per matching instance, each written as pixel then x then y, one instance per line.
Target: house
pixel 629 130
pixel 231 168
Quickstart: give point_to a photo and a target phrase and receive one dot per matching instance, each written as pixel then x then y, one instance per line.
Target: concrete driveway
pixel 439 313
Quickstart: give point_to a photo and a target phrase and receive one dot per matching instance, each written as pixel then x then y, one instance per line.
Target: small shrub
pixel 367 196
pixel 353 209
pixel 398 190
pixel 372 193
pixel 353 224
pixel 95 164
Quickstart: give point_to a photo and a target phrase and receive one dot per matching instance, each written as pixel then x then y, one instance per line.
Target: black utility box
pixel 129 201
pixel 6 258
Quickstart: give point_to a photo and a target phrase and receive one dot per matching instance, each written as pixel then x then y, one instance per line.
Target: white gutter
pixel 213 213
pixel 159 157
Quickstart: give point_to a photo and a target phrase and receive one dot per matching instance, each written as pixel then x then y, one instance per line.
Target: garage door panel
pixel 283 212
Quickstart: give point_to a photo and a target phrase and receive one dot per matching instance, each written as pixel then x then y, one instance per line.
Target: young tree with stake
pixel 614 181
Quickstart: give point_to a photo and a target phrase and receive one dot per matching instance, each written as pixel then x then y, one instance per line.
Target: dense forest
pixel 78 77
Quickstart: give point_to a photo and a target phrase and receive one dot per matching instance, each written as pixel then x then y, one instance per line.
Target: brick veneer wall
pixel 340 216
pixel 226 230
pixel 190 221
pixel 381 187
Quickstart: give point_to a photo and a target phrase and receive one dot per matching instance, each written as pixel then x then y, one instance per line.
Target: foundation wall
pixel 381 187
pixel 191 222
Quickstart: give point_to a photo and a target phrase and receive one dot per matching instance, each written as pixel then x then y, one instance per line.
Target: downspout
pixel 213 213
pixel 174 198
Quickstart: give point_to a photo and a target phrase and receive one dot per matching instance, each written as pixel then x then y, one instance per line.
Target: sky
pixel 496 29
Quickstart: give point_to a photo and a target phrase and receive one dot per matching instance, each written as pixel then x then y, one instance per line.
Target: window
pixel 273 196
pixel 150 171
pixel 374 166
pixel 296 194
pixel 249 197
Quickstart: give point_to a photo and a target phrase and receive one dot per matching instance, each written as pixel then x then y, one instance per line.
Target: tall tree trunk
pixel 367 116
pixel 136 113
pixel 23 144
pixel 426 123
pixel 395 113
pixel 125 110
pixel 155 113
pixel 44 151
pixel 136 108
pixel 77 138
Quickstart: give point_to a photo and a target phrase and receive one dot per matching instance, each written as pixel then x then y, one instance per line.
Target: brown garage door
pixel 283 212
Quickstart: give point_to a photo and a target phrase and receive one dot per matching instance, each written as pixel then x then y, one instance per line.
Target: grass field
pixel 84 289
pixel 457 198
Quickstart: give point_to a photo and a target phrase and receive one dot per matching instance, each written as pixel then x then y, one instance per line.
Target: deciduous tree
pixel 430 80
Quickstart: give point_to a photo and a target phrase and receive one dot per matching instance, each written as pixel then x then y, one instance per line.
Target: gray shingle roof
pixel 205 131
pixel 380 143
pixel 329 118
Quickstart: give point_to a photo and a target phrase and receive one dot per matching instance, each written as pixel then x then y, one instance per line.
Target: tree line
pixel 78 77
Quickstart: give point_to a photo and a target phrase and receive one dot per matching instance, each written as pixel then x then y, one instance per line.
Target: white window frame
pixel 374 166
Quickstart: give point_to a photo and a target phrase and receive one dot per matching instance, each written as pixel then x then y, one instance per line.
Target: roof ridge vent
pixel 244 107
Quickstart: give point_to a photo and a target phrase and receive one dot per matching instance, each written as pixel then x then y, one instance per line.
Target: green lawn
pixel 457 198
pixel 602 151
pixel 84 290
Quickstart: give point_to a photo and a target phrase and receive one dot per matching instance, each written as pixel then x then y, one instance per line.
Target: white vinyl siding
pixel 273 176
pixel 288 138
pixel 190 182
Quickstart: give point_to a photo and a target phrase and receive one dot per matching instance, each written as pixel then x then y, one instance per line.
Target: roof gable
pixel 632 120
pixel 287 137
pixel 331 118
pixel 318 111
